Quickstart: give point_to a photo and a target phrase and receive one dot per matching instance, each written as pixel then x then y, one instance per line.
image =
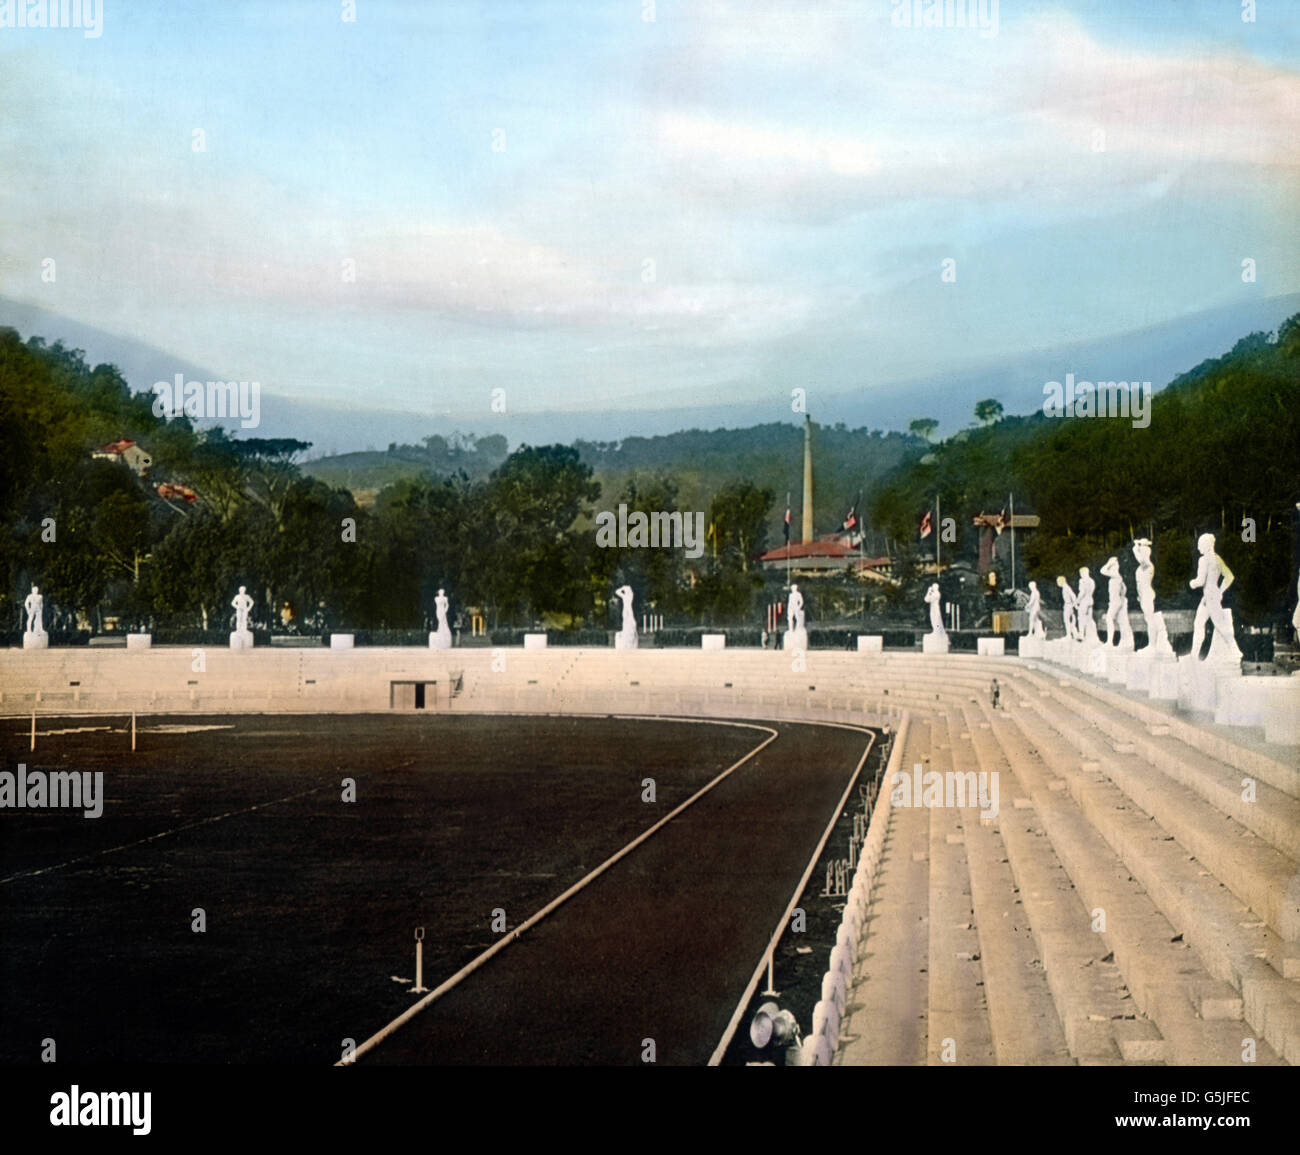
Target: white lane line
pixel 161 834
pixel 465 971
pixel 743 1005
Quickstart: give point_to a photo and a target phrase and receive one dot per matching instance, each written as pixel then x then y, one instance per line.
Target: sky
pixel 607 205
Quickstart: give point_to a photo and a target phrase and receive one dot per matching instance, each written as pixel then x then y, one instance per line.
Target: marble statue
pixel 626 638
pixel 440 639
pixel 1117 606
pixel 933 598
pixel 796 634
pixel 34 604
pixel 1213 578
pixel 1069 604
pixel 1295 617
pixel 241 638
pixel 1157 636
pixel 936 641
pixel 242 603
pixel 1086 623
pixel 1035 607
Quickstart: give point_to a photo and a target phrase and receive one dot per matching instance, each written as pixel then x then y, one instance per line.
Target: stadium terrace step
pixel 1102 839
pixel 959 1030
pixel 1237 747
pixel 1259 873
pixel 885 1018
pixel 1023 1019
pixel 1087 988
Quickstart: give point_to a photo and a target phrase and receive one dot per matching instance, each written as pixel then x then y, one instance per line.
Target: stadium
pixel 543 543
pixel 1119 903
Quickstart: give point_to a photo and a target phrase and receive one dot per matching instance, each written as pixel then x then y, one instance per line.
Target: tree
pixel 988 411
pixel 923 427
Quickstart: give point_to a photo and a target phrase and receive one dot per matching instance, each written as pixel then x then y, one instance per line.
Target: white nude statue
pixel 1086 622
pixel 1157 636
pixel 1069 606
pixel 1036 629
pixel 796 634
pixel 242 637
pixel 794 611
pixel 34 604
pixel 242 604
pixel 936 641
pixel 1213 578
pixel 1295 617
pixel 1117 606
pixel 440 639
pixel 626 638
pixel 932 598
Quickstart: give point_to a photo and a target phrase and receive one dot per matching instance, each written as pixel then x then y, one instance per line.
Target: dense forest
pixel 512 533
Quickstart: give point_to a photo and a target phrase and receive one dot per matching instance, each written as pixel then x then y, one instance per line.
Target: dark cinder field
pixel 310 901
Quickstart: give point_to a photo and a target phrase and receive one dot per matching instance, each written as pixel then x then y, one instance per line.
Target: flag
pixel 927 526
pixel 787 525
pixel 852 519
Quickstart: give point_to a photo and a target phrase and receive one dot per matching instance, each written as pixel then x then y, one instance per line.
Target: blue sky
pixel 716 205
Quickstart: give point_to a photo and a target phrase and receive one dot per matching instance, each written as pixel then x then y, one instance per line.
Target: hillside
pixel 700 462
pixel 1221 454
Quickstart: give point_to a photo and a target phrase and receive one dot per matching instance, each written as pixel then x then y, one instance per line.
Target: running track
pixel 660 946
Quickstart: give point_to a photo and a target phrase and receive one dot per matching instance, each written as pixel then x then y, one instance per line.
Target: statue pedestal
pixel 1240 701
pixel 625 641
pixel 934 644
pixel 531 641
pixel 139 641
pixel 1096 660
pixel 1197 682
pixel 1117 665
pixel 241 640
pixel 713 641
pixel 1162 681
pixel 1137 672
pixel 871 643
pixel 39 641
pixel 991 647
pixel 795 640
pixel 1281 711
pixel 1032 646
pixel 342 641
pixel 441 640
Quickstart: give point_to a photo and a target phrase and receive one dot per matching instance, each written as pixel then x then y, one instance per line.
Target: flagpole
pixel 1012 499
pixel 938 521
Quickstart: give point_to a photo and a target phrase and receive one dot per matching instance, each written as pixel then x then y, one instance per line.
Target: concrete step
pixel 885 1021
pixel 1023 1019
pixel 1271 813
pixel 1160 968
pixel 958 1012
pixel 1258 873
pixel 1087 988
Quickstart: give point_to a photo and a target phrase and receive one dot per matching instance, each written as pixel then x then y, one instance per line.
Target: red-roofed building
pixel 126 451
pixel 829 555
